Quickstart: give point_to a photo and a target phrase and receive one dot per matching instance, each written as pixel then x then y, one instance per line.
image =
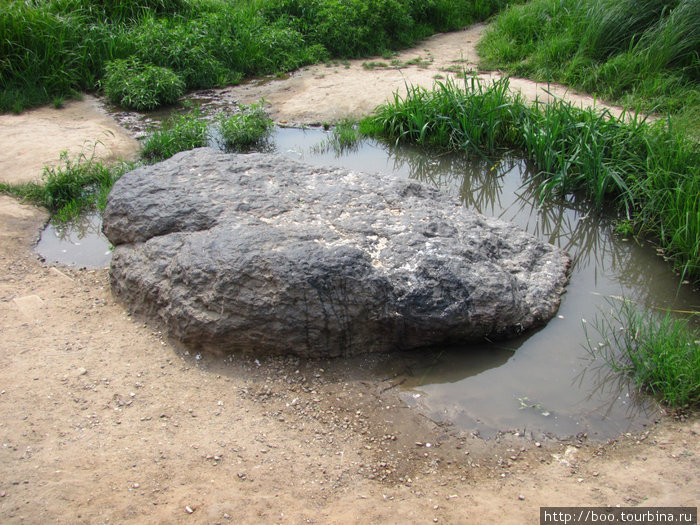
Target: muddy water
pixel 79 244
pixel 544 383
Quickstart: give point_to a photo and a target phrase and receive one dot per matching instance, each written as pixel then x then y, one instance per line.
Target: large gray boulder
pixel 259 253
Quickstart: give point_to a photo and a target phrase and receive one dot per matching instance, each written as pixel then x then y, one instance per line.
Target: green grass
pixel 660 353
pixel 360 28
pixel 246 129
pixel 179 133
pixel 644 54
pixel 134 85
pixel 58 48
pixel 476 118
pixel 344 136
pixel 649 170
pixel 70 190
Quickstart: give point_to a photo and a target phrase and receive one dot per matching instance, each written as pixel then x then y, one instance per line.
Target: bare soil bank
pixel 102 420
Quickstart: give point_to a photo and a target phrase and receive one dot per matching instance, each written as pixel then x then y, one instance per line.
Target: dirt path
pixel 104 421
pixel 327 93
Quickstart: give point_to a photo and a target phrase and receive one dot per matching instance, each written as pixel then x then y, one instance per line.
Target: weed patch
pixel 660 353
pixel 179 133
pixel 344 136
pixel 68 191
pixel 250 127
pixel 131 84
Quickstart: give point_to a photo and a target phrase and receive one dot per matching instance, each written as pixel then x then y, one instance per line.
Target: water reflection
pixel 504 188
pixel 606 387
pixel 446 365
pixel 79 243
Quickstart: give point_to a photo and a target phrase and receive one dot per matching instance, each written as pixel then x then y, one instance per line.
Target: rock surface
pixel 259 253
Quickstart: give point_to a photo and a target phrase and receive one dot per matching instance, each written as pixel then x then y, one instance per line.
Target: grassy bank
pixel 649 170
pixel 644 54
pixel 146 53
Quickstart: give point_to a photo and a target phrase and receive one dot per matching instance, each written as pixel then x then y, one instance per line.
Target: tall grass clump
pixel 179 133
pixel 649 170
pixel 584 150
pixel 45 54
pixel 641 53
pixel 669 194
pixel 660 353
pixel 134 85
pixel 250 127
pixel 476 118
pixel 67 191
pixel 187 47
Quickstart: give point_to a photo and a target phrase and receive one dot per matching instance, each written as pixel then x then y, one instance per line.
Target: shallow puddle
pixel 544 383
pixel 79 244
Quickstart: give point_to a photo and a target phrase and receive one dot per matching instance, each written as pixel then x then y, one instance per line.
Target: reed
pixel 476 118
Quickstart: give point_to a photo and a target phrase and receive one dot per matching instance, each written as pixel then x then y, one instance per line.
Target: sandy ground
pixel 37 138
pixel 102 420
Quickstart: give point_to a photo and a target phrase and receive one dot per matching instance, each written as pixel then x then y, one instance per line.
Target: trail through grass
pixel 144 53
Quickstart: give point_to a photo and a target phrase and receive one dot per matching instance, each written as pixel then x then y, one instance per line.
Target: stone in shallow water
pixel 259 253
